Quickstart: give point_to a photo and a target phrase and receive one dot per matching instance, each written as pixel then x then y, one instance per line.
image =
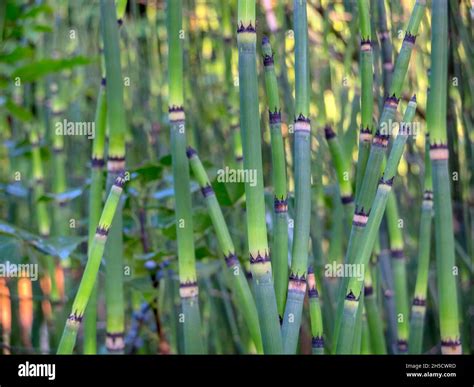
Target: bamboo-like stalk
pixel 95 204
pixel 114 292
pixel 370 232
pixel 260 264
pixel 280 209
pixel 365 195
pixel 386 42
pixel 302 167
pixel 25 310
pixel 436 121
pixel 398 262
pixel 367 90
pixel 96 250
pixel 5 315
pixel 341 165
pixel 374 320
pixel 317 337
pixel 183 210
pixel 418 309
pixel 240 285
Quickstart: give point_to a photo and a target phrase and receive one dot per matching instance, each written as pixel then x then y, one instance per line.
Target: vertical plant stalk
pixel 280 201
pixel 240 285
pixel 418 309
pixel 95 204
pixel 341 165
pixel 88 280
pixel 188 290
pixel 399 271
pixel 114 292
pixel 317 337
pixel 374 320
pixel 443 219
pixel 302 165
pixel 367 90
pixel 5 315
pixel 369 234
pixel 260 263
pixel 365 195
pixel 386 43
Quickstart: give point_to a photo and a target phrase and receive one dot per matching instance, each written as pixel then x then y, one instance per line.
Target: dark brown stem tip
pixel 120 180
pixel 328 132
pixel 207 191
pixel 190 152
pixel 351 296
pixel 413 99
pixel 231 260
pixel 410 38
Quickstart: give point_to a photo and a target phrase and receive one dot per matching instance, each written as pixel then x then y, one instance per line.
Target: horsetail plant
pixel 115 164
pixel 443 218
pixel 317 338
pixel 240 285
pixel 352 292
pixel 398 261
pixel 302 165
pixel 374 320
pixel 368 186
pixel 367 90
pixel 260 264
pixel 88 280
pixel 280 201
pixel 342 168
pixel 188 288
pixel 418 309
pixel 95 204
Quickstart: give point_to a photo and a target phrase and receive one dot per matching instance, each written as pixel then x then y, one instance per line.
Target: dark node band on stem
pixel 384 35
pixel 39 180
pixel 120 22
pixel 439 151
pixel 259 258
pixel 103 81
pixel 188 289
pixel 365 45
pixel 451 343
pixel 102 231
pixel 328 132
pixel 381 139
pixel 419 301
pixel 392 101
pixel 268 60
pixel 280 205
pixel 231 260
pixel 428 196
pixel 397 254
pixel 207 191
pixel 114 341
pixel 351 296
pixel 57 150
pixel 190 152
pixel 297 283
pixel 176 114
pixel 248 29
pixel 402 346
pixel 317 342
pixel 387 182
pixel 75 318
pixel 120 179
pixel 347 199
pixel 115 163
pixel 365 134
pixel 97 162
pixel 360 218
pixel 274 117
pixel 368 290
pixel 302 123
pixel 409 38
